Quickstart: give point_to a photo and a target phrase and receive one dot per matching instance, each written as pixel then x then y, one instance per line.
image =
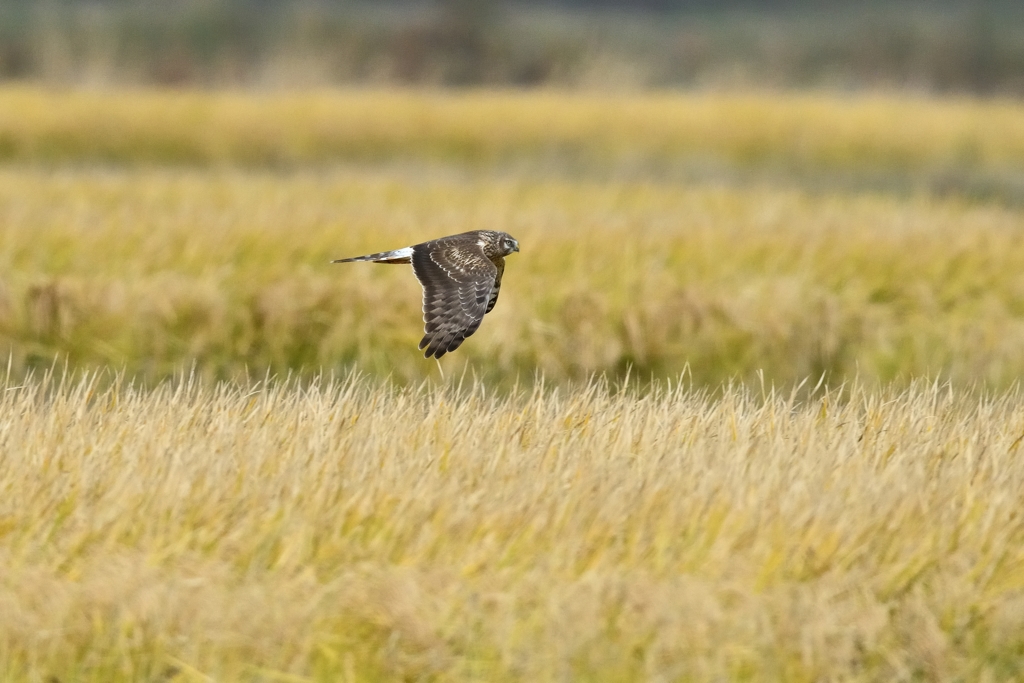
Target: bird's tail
pixel 396 256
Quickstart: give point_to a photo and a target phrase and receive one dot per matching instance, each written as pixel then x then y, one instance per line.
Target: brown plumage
pixel 461 278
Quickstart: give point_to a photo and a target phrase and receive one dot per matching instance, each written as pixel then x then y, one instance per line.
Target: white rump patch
pixel 400 253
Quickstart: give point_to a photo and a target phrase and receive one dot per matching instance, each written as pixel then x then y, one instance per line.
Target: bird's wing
pixel 500 265
pixel 458 281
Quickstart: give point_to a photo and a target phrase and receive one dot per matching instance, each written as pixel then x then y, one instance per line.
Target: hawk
pixel 461 277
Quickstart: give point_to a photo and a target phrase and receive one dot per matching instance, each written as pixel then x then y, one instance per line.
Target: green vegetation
pixel 923 45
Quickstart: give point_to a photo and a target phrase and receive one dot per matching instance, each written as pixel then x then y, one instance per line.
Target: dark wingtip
pixel 430 349
pixel 436 353
pixel 436 348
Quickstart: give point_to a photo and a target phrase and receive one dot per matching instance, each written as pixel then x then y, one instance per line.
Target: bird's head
pixel 508 244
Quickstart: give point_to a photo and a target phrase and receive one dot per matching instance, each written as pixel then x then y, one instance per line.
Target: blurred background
pixel 739 190
pixel 924 45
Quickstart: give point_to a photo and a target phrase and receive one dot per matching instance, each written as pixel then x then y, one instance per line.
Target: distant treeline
pixel 937 46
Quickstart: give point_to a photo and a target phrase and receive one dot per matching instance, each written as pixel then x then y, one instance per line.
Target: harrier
pixel 460 275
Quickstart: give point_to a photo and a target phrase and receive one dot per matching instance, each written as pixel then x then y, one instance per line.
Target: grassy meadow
pixel 585 131
pixel 351 530
pixel 747 408
pixel 790 235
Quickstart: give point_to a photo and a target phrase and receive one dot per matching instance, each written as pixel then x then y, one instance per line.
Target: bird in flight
pixel 461 277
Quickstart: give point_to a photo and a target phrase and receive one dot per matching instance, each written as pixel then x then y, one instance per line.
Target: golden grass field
pixel 905 133
pixel 747 408
pixel 354 531
pixel 154 269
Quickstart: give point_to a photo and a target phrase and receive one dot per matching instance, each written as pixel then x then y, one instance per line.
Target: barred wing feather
pixel 458 289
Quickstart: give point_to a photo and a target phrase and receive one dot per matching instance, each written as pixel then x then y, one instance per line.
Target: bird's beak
pixel 515 246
